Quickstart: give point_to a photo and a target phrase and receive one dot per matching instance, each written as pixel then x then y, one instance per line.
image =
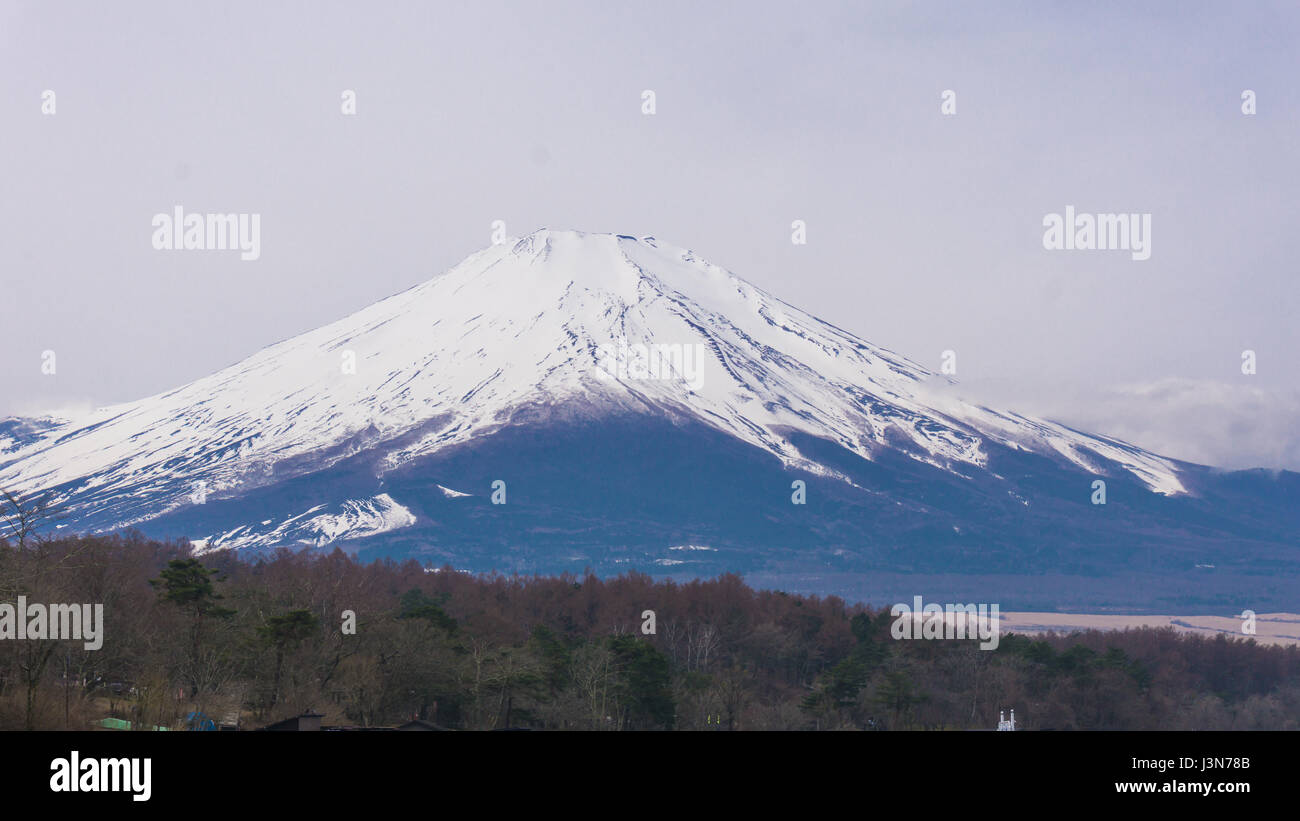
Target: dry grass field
pixel 1270 628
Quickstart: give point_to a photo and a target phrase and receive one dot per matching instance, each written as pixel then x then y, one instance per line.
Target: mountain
pixel 640 407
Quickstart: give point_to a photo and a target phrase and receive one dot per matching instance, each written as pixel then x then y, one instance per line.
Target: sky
pixel 925 229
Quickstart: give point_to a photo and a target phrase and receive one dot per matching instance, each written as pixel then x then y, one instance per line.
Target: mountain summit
pixel 570 400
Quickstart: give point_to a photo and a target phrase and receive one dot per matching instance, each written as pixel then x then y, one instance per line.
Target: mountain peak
pixel 581 250
pixel 572 235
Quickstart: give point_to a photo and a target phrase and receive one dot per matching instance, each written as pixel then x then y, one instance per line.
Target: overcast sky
pixel 924 231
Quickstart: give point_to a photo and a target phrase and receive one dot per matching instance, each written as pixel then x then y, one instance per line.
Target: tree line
pixel 380 643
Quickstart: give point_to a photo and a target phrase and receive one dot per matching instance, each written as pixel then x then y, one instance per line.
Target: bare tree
pixel 592 673
pixel 22 516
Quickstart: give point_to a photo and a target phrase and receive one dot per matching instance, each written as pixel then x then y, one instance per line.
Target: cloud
pixel 1205 421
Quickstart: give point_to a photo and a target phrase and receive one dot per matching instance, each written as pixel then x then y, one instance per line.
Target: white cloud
pixel 1197 420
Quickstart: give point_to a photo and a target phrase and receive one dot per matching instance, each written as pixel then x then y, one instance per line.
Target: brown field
pixel 1270 628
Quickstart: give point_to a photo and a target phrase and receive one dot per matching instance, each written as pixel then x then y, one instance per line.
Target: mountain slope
pixel 375 431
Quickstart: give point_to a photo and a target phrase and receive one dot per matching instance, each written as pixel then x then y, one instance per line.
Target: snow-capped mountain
pixel 377 430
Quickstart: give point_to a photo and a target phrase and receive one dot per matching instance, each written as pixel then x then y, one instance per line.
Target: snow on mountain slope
pixel 356 519
pixel 18 432
pixel 524 328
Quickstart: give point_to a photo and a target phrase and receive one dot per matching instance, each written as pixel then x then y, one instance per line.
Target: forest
pixel 247 642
